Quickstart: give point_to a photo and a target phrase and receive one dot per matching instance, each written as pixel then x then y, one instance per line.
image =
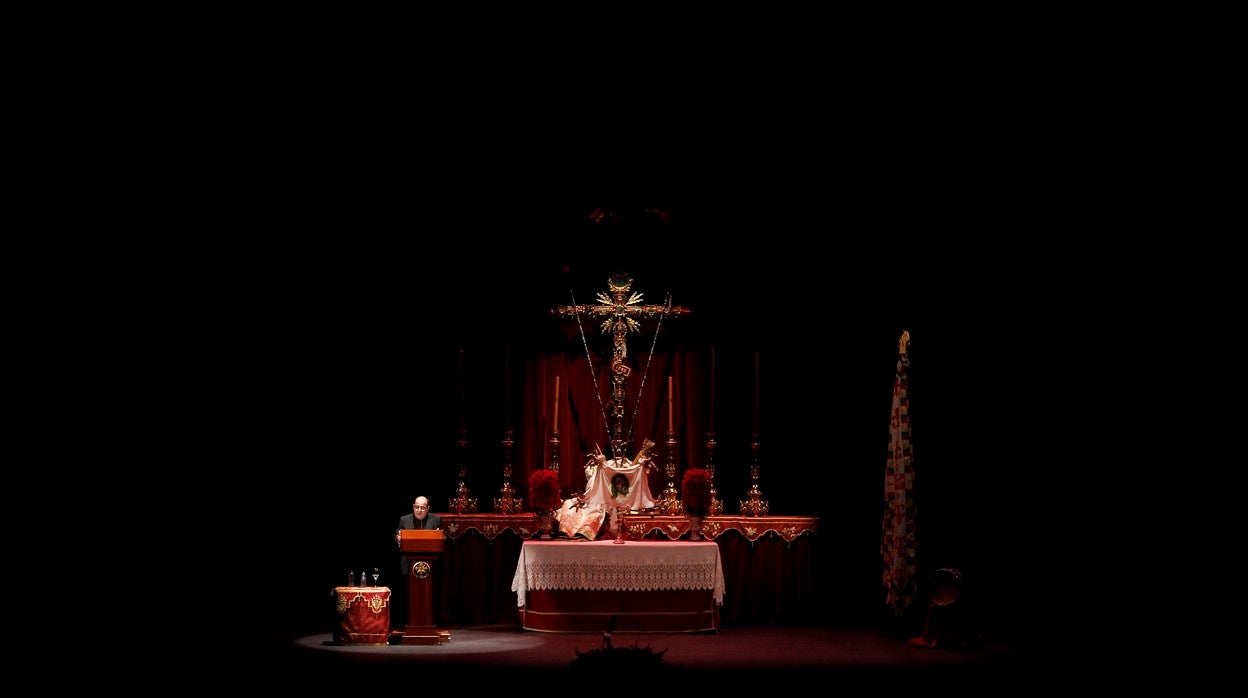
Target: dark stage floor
pixel 497 657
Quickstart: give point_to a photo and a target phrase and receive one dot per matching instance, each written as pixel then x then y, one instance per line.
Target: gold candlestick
pixel 461 503
pixel 716 507
pixel 508 502
pixel 554 432
pixel 669 499
pixel 754 505
pixel 554 451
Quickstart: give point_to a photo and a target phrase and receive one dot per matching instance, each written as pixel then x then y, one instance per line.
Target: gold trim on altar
pixel 639 525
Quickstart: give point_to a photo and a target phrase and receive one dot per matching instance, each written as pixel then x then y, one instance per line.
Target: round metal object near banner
pixel 944 584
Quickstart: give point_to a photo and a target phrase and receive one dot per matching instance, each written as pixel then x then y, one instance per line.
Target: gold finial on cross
pixel 621 308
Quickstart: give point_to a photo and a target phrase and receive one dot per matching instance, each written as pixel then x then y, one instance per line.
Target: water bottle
pixel 363 578
pixel 351 578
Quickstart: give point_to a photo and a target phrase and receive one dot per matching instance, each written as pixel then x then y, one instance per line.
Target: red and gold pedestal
pixel 363 616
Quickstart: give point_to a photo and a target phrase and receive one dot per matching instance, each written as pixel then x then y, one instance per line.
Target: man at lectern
pixel 420 518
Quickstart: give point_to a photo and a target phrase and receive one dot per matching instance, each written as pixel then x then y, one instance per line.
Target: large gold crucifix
pixel 621 310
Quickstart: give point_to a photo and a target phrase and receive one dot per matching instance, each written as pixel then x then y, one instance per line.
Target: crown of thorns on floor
pixel 619 659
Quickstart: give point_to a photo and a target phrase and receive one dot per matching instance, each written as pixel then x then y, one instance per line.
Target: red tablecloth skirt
pixel 363 616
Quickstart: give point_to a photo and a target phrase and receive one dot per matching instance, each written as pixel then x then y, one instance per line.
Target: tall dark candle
pixel 755 392
pixel 712 420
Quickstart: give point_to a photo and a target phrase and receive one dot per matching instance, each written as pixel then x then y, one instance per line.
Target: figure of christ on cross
pixel 621 311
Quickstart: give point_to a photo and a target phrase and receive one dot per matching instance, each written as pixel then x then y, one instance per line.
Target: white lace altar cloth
pixel 637 565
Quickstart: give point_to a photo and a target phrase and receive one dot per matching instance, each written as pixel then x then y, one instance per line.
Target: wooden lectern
pixel 421 550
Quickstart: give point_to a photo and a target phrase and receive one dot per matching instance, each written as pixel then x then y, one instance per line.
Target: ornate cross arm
pixel 620 304
pixel 642 311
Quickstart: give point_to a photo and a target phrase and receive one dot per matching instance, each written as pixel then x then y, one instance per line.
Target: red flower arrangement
pixel 544 490
pixel 695 491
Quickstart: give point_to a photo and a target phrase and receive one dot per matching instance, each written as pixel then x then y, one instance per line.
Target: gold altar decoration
pixel 373 601
pixel 461 503
pixel 554 432
pixel 751 528
pixel 621 307
pixel 640 526
pixel 754 505
pixel 669 502
pixel 554 451
pixel 508 502
pixel 716 506
pixel 491 526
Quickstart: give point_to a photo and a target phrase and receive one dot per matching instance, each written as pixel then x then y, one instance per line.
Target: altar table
pixel 363 616
pixel 770 564
pixel 636 586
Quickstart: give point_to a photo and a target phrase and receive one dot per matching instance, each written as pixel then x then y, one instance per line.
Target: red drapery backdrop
pixel 585 410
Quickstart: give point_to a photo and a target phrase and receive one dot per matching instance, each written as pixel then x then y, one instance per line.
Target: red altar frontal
pixel 637 586
pixel 363 616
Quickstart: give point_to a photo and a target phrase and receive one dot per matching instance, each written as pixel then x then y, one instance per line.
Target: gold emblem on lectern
pixel 420 569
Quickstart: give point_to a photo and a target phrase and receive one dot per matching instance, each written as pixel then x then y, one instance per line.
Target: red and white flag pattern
pixel 897 543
